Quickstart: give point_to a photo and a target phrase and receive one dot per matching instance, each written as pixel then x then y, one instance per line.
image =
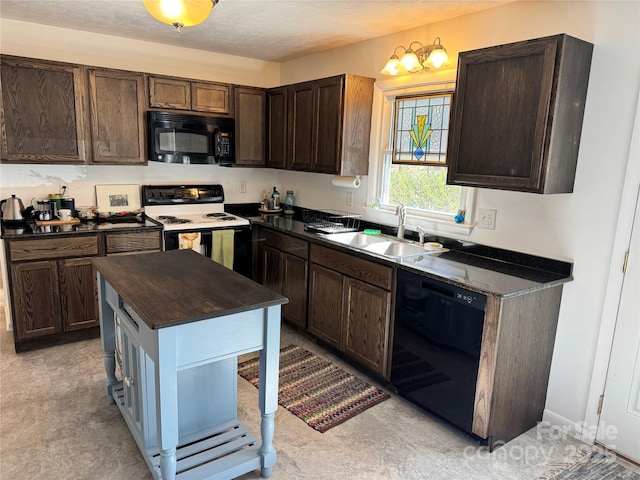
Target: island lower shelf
pixel 224 451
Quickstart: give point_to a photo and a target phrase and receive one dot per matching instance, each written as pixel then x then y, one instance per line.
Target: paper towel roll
pixel 346 182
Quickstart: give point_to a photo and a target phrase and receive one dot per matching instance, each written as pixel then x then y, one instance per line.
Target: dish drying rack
pixel 330 221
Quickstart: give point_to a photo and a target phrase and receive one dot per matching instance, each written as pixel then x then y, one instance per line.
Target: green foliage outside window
pixel 423 187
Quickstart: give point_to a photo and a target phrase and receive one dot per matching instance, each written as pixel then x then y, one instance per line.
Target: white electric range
pixel 190 213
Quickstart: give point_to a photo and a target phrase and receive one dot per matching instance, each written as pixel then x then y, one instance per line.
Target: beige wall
pixel 53 43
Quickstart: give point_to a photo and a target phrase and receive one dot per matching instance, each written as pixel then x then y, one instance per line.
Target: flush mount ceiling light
pixel 414 61
pixel 180 13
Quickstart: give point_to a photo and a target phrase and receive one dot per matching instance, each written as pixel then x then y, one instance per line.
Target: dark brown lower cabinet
pixel 325 304
pixel 35 299
pixel 53 286
pixel 284 269
pixel 350 306
pixel 367 311
pixel 78 294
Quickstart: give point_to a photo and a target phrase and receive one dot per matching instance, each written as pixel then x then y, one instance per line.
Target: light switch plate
pixel 487 218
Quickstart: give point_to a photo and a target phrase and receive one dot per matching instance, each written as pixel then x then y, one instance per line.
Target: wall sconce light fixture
pixel 180 13
pixel 413 61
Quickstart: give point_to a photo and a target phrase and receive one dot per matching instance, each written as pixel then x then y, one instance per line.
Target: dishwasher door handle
pixel 437 289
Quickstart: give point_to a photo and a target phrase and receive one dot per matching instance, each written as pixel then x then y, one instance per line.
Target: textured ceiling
pixel 276 30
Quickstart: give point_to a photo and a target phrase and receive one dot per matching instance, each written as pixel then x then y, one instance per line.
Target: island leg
pixel 107 337
pixel 268 387
pixel 167 402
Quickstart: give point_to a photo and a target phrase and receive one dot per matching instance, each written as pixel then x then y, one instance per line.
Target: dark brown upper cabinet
pixel 42 108
pixel 517 115
pixel 277 142
pixel 184 94
pixel 117 100
pixel 251 114
pixel 169 93
pixel 326 128
pixel 300 121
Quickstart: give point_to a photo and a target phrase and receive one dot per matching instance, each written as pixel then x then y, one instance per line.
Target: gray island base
pixel 175 322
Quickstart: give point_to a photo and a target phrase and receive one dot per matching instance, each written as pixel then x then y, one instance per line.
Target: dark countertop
pixel 181 286
pixel 31 230
pixel 478 268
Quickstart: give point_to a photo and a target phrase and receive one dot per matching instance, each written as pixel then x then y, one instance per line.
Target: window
pixel 412 169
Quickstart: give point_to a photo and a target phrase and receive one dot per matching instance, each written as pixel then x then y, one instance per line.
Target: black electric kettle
pixel 12 210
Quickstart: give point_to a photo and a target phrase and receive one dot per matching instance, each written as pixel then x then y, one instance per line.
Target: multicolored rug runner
pixel 315 390
pixel 589 463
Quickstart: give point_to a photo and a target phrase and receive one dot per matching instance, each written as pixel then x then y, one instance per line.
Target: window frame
pixel 381 144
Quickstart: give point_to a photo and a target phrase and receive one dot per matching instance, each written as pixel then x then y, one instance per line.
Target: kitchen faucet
pixel 421 233
pixel 401 211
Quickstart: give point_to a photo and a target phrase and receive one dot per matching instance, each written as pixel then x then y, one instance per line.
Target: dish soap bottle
pixel 289 202
pixel 276 199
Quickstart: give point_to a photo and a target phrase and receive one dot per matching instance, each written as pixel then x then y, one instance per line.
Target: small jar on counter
pixel 289 203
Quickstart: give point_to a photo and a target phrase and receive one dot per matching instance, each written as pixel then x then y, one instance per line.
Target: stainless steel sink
pixel 395 249
pixel 355 239
pixel 384 245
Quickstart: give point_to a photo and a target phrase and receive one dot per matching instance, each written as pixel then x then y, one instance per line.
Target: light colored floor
pixel 56 424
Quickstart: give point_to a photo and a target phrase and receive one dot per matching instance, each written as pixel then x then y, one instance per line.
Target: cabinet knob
pixel 128 381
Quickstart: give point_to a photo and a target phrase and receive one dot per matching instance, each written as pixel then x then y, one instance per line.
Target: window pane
pixel 423 187
pixel 421 124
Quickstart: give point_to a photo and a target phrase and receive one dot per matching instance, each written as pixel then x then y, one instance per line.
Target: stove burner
pixel 166 217
pixel 215 215
pixel 175 220
pixel 227 219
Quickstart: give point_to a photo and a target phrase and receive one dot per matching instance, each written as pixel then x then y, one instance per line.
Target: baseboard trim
pixel 567 428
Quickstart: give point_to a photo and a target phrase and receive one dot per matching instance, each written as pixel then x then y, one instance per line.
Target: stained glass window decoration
pixel 421 129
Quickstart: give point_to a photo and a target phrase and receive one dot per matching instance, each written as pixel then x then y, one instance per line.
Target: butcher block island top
pixel 175 323
pixel 182 286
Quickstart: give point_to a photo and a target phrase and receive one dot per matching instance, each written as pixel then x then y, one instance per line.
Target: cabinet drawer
pixel 365 270
pixel 53 248
pixel 286 243
pixel 132 242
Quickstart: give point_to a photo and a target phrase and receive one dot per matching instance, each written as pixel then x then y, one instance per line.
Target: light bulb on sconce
pixel 414 61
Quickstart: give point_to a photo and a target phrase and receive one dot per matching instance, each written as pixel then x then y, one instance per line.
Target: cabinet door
pixel 173 93
pixel 210 97
pixel 272 269
pixel 294 287
pixel 35 299
pixel 117 117
pixel 277 127
pixel 250 108
pixel 327 138
pixel 131 383
pixel 78 294
pixel 517 115
pixel 300 124
pixel 325 304
pixel 367 313
pixel 42 107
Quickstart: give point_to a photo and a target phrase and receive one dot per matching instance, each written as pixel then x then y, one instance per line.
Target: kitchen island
pixel 175 322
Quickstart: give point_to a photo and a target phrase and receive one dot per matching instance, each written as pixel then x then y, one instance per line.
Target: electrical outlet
pixel 487 218
pixel 243 187
pixel 350 199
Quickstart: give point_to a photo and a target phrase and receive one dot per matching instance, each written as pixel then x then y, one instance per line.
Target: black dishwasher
pixel 436 347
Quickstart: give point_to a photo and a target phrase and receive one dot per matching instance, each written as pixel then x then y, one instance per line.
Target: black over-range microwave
pixel 184 138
